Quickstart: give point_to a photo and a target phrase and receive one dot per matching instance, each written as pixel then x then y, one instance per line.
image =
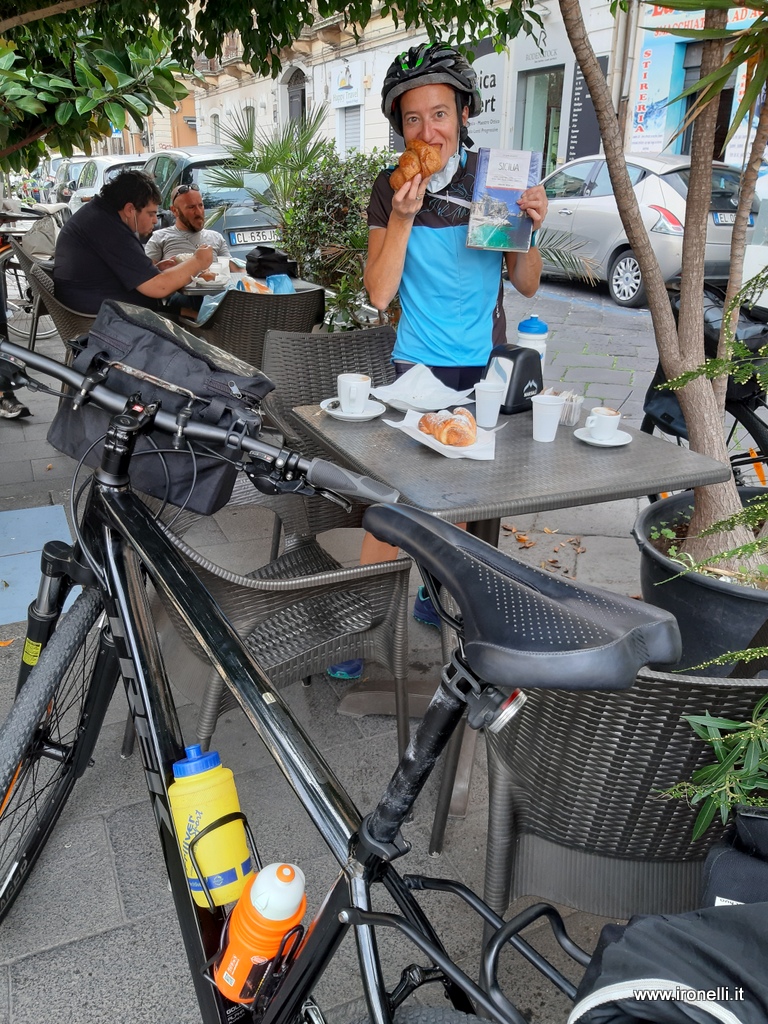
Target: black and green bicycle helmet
pixel 429 65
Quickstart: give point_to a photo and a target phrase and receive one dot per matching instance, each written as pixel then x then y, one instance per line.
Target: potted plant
pixel 738 777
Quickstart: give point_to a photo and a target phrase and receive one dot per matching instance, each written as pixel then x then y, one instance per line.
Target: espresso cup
pixel 602 423
pixel 353 391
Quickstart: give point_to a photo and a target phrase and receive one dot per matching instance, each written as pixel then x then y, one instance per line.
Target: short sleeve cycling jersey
pixel 451 296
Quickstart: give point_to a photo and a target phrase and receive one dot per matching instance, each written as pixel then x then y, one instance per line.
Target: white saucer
pixel 621 437
pixel 370 412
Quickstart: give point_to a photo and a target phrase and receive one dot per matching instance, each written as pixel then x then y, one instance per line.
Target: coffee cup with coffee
pixel 603 423
pixel 353 391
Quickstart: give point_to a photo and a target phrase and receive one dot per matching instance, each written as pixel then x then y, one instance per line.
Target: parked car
pixel 582 205
pixel 245 222
pixel 67 177
pixel 98 171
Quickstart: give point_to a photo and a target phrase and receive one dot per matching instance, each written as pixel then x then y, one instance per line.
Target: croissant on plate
pixel 418 158
pixel 458 428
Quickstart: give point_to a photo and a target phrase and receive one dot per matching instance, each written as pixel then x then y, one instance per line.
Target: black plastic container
pixel 520 370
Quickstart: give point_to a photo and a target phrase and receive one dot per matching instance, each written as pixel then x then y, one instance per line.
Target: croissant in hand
pixel 418 158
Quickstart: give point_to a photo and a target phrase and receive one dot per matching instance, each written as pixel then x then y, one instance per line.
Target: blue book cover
pixel 495 219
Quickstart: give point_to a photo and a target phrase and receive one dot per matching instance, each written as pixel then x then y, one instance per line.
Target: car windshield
pixel 216 194
pixel 112 172
pixel 725 186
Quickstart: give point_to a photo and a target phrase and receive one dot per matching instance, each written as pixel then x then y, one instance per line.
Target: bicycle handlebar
pixel 318 472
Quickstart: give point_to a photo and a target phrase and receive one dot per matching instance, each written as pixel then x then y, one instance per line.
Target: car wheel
pixel 625 281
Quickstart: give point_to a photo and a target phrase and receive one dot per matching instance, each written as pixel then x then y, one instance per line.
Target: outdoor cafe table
pixel 525 476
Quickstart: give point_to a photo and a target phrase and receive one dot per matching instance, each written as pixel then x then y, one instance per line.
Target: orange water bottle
pixel 271 905
pixel 203 791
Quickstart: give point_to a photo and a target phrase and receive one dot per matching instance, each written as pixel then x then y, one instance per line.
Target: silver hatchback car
pixel 582 206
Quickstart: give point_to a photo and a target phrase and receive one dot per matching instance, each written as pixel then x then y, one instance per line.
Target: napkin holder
pixel 519 369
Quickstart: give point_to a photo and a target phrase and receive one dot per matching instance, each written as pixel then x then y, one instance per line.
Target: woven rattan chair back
pixel 69 323
pixel 242 319
pixel 304 367
pixel 299 614
pixel 575 815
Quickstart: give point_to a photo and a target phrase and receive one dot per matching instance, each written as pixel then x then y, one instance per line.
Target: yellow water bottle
pixel 203 791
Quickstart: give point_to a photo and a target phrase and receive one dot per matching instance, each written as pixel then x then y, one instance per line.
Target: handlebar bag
pixel 163 363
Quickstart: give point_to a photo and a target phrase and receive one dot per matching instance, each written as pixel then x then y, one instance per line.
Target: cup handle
pixel 590 422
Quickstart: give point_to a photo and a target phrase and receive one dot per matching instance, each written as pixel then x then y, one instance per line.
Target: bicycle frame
pixel 122 536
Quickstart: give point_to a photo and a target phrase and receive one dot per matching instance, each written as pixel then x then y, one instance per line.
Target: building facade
pixel 534 97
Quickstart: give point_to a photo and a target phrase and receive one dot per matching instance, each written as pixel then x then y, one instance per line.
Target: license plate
pixel 730 218
pixel 253 236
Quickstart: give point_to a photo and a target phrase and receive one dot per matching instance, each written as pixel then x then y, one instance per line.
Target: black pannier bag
pixel 264 261
pixel 707 965
pixel 224 389
pixel 736 869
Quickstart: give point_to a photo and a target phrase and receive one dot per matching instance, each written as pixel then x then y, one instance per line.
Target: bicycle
pixel 72 663
pixel 18 294
pixel 745 421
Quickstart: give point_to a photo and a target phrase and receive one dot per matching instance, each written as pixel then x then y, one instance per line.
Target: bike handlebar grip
pixel 327 474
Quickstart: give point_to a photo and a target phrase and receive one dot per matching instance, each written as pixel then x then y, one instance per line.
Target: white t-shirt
pixel 171 241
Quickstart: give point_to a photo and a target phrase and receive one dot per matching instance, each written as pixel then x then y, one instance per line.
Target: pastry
pixel 418 158
pixel 453 428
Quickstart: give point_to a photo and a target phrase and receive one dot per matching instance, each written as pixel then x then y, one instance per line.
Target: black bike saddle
pixel 523 626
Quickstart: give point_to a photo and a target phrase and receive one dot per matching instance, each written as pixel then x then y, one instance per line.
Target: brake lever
pixel 269 481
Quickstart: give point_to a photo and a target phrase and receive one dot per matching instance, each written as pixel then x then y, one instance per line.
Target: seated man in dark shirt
pixel 99 254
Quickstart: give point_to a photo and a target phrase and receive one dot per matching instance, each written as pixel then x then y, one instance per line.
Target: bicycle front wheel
pixel 48 737
pixel 19 302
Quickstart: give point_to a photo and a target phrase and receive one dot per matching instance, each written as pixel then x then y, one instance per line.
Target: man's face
pixel 429 113
pixel 145 219
pixel 189 211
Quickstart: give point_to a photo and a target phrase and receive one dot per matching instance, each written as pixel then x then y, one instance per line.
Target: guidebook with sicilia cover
pixel 495 219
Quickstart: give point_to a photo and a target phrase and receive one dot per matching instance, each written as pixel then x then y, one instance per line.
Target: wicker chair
pixel 321 612
pixel 241 319
pixel 299 613
pixel 69 323
pixel 304 368
pixel 574 813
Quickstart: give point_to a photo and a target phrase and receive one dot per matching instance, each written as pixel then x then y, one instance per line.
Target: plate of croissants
pixel 453 433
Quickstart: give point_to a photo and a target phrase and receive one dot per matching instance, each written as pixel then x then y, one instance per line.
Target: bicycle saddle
pixel 523 626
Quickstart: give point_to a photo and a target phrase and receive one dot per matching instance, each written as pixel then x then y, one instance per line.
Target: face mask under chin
pixel 440 179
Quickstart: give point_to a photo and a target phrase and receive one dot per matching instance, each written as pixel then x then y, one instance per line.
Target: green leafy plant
pixel 739 774
pixel 328 229
pixel 68 99
pixel 283 155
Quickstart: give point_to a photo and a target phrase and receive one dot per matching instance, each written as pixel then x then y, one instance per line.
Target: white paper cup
pixel 546 416
pixel 602 423
pixel 488 396
pixel 353 391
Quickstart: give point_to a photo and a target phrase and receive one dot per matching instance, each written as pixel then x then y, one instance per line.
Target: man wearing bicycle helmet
pixel 451 296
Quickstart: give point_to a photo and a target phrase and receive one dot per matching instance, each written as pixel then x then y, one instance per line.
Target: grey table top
pixel 525 476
